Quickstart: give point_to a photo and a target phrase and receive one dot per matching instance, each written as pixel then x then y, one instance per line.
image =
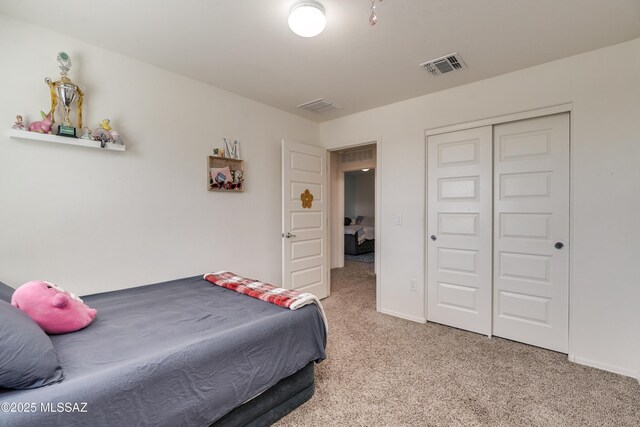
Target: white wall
pixel 94 220
pixel 365 194
pixel 605 283
pixel 359 194
pixel 350 195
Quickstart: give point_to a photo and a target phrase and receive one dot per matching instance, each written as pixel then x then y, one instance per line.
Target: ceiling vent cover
pixel 446 64
pixel 319 105
pixel 356 156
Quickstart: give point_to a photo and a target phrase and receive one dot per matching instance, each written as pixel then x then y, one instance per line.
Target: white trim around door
pixel 339 206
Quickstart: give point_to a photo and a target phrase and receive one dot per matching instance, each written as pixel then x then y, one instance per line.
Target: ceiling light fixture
pixel 307 18
pixel 373 18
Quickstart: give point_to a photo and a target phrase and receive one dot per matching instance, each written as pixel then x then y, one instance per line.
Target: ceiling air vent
pixel 356 156
pixel 446 64
pixel 319 106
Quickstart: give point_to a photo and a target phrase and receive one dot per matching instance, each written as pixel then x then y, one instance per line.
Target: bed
pixel 359 236
pixel 183 352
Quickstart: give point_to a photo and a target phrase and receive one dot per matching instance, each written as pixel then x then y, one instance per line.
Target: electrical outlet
pixel 413 284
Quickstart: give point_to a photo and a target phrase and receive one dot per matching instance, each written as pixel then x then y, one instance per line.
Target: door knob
pixel 433 237
pixel 289 235
pixel 559 245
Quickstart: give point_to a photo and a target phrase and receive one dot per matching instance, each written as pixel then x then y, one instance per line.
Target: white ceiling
pixel 246 47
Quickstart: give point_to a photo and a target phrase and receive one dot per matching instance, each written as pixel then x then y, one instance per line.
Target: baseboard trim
pixel 403 316
pixel 604 366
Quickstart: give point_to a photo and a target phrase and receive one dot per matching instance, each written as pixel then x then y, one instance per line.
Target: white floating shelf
pixel 45 137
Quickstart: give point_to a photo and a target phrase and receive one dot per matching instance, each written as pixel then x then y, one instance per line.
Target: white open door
pixel 459 229
pixel 305 219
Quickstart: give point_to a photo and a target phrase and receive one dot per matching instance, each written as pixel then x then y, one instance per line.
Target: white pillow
pixel 369 221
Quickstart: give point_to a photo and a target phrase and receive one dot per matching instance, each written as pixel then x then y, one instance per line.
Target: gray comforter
pixel 178 353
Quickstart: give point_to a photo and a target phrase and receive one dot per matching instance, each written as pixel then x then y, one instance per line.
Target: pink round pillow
pixel 54 309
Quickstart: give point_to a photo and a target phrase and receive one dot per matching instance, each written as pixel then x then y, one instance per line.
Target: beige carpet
pixel 381 370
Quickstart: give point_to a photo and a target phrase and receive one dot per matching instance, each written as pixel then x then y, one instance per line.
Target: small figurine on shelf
pixel 236 183
pixel 237 177
pixel 105 125
pixel 19 123
pixel 43 126
pixel 86 134
pixel 115 137
pixel 105 133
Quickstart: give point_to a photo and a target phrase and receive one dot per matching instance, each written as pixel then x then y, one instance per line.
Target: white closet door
pixel 459 229
pixel 531 231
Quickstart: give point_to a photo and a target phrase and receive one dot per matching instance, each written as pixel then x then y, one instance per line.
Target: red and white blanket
pixel 283 297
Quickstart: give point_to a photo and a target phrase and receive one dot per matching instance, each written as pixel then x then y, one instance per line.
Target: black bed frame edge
pixel 275 403
pixel 351 246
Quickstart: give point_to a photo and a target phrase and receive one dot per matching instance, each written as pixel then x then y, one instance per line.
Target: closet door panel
pixel 459 229
pixel 531 218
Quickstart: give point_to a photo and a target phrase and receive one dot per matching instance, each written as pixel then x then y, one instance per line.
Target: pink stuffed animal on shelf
pixel 43 126
pixel 55 310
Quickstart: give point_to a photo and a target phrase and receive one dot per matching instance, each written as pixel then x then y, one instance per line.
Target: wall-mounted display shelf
pixel 216 168
pixel 45 137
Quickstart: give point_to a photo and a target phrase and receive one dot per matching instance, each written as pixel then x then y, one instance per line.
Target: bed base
pixel 273 404
pixel 351 246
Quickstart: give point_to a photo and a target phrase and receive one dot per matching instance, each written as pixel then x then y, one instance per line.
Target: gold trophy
pixel 66 93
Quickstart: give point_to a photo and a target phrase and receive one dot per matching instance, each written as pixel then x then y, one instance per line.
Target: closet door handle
pixel 433 237
pixel 559 245
pixel 289 235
